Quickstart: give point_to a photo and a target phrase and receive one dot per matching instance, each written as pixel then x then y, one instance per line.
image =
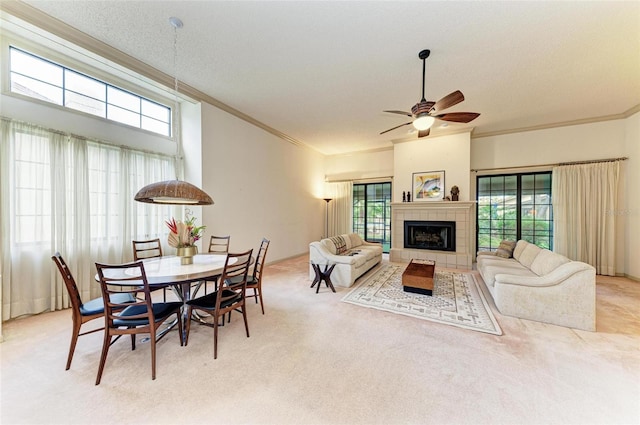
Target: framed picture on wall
pixel 428 186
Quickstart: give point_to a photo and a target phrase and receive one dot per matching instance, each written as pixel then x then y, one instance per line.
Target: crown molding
pixel 613 117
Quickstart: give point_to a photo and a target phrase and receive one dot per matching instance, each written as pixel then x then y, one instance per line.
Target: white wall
pixel 262 186
pixel 359 165
pixel 631 207
pixel 448 153
pixel 563 144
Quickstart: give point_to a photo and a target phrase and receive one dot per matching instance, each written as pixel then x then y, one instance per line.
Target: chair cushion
pixel 96 306
pixel 160 312
pixel 235 280
pixel 208 302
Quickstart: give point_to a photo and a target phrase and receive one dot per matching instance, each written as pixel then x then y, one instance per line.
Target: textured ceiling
pixel 323 72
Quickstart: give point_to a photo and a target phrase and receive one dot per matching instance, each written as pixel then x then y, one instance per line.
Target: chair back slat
pixel 219 244
pixel 130 278
pixel 69 281
pixel 260 259
pixel 238 269
pixel 146 249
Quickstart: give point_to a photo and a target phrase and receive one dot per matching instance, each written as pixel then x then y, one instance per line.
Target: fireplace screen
pixel 433 235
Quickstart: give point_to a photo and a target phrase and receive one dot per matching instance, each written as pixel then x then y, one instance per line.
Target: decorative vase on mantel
pixel 186 254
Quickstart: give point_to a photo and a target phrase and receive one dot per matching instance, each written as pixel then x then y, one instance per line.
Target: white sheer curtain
pixel 340 208
pixel 64 193
pixel 584 213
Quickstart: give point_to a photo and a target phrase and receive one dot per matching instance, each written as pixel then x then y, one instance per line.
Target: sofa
pixel 537 284
pixel 351 255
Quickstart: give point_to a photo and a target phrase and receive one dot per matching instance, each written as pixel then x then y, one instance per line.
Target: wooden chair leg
pixel 74 340
pixel 246 324
pixel 153 352
pixel 215 336
pixel 103 357
pixel 261 302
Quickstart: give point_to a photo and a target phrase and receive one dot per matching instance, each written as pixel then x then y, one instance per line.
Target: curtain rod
pixel 592 161
pixel 360 180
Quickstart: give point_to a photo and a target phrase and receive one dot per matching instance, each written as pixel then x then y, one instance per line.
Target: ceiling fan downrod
pixel 424 54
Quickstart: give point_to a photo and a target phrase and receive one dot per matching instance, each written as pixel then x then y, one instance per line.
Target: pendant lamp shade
pixel 173 192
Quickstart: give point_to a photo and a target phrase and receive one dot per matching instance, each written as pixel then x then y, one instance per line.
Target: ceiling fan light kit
pixel 423 122
pixel 424 113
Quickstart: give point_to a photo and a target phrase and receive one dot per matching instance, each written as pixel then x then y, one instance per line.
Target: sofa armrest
pixel 318 253
pixel 370 243
pixel 555 277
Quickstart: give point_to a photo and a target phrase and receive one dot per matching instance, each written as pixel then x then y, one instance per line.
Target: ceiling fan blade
pixel 458 116
pixel 398 126
pixel 400 112
pixel 423 133
pixel 448 101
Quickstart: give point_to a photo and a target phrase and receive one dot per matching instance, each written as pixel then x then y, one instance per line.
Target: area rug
pixel 457 299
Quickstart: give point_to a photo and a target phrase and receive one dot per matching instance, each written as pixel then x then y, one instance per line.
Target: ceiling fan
pixel 424 113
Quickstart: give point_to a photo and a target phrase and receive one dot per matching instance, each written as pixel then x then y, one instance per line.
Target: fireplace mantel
pixel 462 212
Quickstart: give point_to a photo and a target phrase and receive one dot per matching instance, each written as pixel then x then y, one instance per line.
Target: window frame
pixel 141 98
pixel 542 238
pixel 361 224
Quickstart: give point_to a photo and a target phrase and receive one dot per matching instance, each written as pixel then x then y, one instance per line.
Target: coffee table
pixel 418 277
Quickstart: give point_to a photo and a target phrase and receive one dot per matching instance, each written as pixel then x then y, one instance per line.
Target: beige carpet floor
pixel 312 359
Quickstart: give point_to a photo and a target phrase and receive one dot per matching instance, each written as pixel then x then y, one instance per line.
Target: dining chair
pixel 254 281
pixel 151 248
pixel 82 313
pixel 142 317
pixel 224 299
pixel 217 245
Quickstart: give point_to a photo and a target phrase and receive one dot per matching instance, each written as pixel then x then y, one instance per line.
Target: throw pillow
pixel 505 250
pixel 340 243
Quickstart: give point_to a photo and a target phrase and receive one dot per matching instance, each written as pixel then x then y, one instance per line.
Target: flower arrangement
pixel 184 234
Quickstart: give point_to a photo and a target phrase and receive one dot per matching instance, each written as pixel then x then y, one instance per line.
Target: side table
pixel 322 275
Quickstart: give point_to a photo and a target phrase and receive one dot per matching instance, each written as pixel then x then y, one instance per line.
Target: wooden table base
pixel 323 275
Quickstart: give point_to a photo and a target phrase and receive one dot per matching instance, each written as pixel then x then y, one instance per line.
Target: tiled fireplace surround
pixel 463 213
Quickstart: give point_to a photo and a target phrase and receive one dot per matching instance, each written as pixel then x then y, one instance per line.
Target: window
pixel 372 213
pixel 514 206
pixel 41 79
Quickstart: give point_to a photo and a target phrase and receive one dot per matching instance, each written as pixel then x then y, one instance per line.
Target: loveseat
pixel 537 284
pixel 351 255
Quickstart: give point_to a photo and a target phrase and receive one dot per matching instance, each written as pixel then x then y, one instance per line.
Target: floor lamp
pixel 326 220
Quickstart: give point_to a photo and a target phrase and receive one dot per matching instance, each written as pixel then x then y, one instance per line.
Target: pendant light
pixel 174 192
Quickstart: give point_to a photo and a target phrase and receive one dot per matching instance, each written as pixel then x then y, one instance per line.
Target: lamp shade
pixel 174 192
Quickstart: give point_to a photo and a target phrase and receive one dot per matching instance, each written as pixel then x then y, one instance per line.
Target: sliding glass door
pixel 372 212
pixel 515 206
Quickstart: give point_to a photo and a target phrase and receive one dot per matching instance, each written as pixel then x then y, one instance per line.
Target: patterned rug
pixel 457 300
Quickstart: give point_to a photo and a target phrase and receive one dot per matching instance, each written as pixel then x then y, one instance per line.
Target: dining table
pixel 168 271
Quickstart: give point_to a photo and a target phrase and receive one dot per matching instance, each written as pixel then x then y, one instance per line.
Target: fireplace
pixel 460 212
pixel 431 235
